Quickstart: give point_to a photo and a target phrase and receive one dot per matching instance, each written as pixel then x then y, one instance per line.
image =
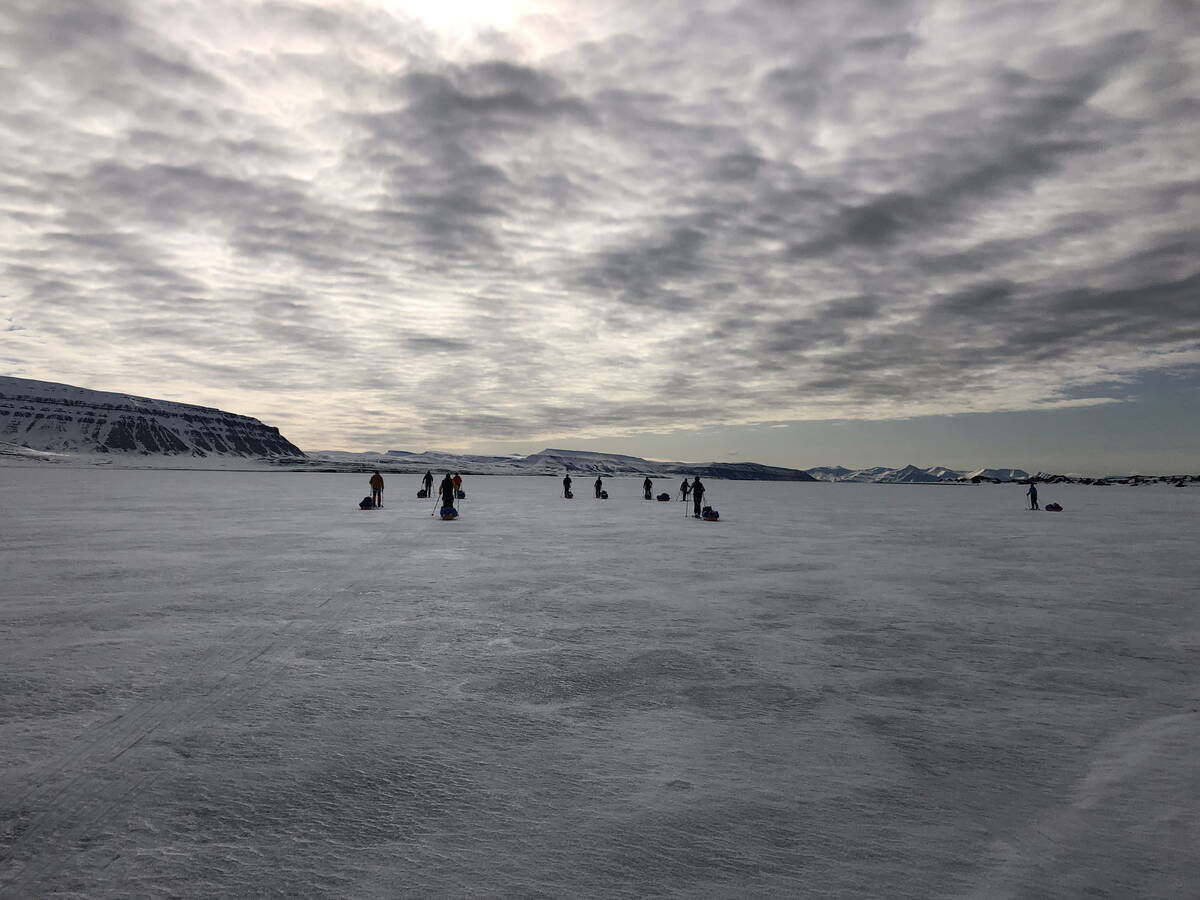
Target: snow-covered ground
pixel 238 684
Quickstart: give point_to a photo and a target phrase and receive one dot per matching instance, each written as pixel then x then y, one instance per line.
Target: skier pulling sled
pixel 448 489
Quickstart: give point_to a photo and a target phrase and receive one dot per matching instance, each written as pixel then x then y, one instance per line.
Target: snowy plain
pixel 222 684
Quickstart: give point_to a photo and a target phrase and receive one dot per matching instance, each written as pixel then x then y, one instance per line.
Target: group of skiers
pixel 695 489
pixel 450 490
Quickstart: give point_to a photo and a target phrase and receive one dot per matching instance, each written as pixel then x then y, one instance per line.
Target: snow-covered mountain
pixel 884 475
pixel 997 475
pixel 588 463
pixel 830 473
pixel 545 462
pixel 41 417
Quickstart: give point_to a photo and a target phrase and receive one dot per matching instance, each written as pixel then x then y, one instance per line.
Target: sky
pixel 801 233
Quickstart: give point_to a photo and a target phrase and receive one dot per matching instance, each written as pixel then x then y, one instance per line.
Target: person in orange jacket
pixel 376 483
pixel 457 484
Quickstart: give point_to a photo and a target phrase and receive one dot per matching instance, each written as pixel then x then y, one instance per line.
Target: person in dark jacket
pixel 647 486
pixel 1032 494
pixel 447 490
pixel 684 489
pixel 566 485
pixel 599 486
pixel 376 483
pixel 697 494
pixel 428 482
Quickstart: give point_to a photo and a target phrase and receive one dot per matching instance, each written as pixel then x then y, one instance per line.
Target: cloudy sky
pixel 802 232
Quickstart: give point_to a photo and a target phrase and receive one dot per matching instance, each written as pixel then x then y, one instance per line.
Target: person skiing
pixel 599 486
pixel 428 482
pixel 647 485
pixel 567 485
pixel 376 483
pixel 447 490
pixel 457 484
pixel 697 494
pixel 1032 494
pixel 683 490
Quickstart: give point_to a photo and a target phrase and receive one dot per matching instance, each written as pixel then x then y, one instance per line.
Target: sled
pixel 422 494
pixel 448 513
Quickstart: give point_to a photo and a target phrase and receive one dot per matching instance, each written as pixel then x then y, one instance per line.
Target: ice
pixel 239 684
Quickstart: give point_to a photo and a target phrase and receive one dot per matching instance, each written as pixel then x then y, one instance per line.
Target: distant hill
pixel 885 475
pixel 589 463
pixel 42 418
pixel 545 462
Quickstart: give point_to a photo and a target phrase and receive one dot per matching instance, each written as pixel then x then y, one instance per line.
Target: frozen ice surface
pixel 239 684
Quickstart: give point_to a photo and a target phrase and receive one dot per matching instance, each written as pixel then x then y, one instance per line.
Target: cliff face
pixel 60 418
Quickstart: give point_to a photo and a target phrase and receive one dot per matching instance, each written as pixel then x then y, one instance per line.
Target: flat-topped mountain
pixel 60 418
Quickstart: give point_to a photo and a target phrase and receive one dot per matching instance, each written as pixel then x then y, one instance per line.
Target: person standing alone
pixel 1032 494
pixel 647 487
pixel 376 483
pixel 697 495
pixel 567 486
pixel 428 482
pixel 599 486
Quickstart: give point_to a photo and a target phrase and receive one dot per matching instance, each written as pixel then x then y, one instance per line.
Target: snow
pixel 223 684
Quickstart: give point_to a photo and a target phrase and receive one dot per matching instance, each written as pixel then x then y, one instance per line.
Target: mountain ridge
pixel 53 423
pixel 51 417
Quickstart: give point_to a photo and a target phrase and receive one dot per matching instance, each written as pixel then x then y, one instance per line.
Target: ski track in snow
pixel 238 684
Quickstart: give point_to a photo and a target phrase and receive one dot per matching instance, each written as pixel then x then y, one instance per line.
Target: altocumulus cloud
pixel 374 229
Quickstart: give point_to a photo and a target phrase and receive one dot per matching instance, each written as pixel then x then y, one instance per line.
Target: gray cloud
pixel 598 220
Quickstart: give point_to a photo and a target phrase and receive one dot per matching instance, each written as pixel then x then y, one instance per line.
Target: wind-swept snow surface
pixel 238 684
